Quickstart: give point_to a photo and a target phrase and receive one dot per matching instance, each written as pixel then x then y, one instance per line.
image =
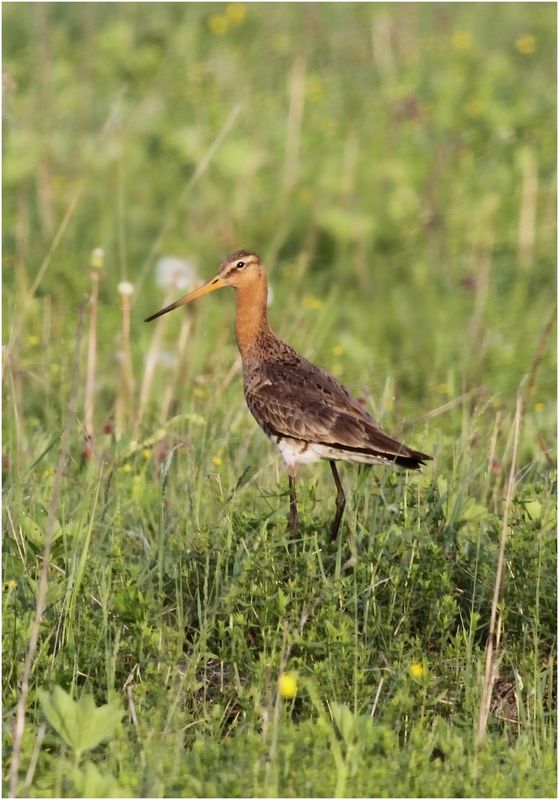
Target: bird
pixel 306 412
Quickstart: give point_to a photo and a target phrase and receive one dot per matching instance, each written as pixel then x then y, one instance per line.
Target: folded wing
pixel 300 401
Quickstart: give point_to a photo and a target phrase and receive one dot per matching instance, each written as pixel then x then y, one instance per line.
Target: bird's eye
pixel 240 265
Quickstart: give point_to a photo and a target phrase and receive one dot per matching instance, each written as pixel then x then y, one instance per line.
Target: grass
pixel 395 166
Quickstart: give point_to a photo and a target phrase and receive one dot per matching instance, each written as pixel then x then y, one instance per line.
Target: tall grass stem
pixel 528 208
pixel 95 269
pixel 126 382
pixel 63 455
pixel 294 123
pixel 172 388
pixel 151 363
pixel 495 623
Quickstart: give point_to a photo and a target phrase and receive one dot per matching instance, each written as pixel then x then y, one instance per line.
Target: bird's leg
pixel 340 502
pixel 293 516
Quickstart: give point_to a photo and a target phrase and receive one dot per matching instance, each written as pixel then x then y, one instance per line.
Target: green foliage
pixel 395 166
pixel 89 782
pixel 435 761
pixel 81 724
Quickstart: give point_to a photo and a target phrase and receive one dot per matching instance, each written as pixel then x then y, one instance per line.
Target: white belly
pixel 295 451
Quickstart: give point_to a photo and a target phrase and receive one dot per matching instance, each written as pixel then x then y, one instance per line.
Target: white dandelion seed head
pixel 174 273
pixel 166 359
pixel 125 288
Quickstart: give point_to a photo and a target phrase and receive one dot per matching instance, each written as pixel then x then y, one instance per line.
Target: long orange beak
pixel 210 286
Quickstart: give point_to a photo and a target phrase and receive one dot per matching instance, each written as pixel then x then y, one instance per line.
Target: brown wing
pixel 301 401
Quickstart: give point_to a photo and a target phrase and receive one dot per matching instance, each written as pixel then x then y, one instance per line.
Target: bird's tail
pixel 413 460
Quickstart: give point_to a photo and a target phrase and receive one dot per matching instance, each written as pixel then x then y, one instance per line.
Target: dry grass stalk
pixel 495 624
pixel 546 449
pixel 377 695
pixel 540 351
pixel 22 238
pixel 35 756
pixel 10 365
pixel 126 383
pixel 272 719
pixel 25 305
pixel 72 205
pixel 44 171
pixel 95 269
pixel 63 455
pixel 234 370
pixel 151 362
pixel 134 718
pixel 527 221
pixel 382 30
pixel 491 463
pixel 531 382
pixel 482 286
pixel 456 401
pixel 171 390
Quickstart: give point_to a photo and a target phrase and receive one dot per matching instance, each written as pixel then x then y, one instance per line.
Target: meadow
pixel 395 167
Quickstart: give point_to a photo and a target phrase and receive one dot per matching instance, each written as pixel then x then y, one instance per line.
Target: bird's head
pixel 241 269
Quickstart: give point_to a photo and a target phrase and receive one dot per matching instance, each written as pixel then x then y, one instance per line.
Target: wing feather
pixel 301 401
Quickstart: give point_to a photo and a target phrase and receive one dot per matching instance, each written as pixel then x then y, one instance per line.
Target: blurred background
pixel 393 164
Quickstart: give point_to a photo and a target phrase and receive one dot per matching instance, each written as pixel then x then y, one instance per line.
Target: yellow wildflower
pixel 312 303
pixel 126 468
pixel 526 45
pixel 539 407
pixel 462 40
pixel 417 670
pixel 287 685
pixel 236 12
pixel 32 341
pixel 147 453
pixel 10 585
pixel 218 24
pixel 217 461
pixel 338 350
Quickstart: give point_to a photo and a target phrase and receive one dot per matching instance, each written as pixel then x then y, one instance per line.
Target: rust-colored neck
pixel 252 318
